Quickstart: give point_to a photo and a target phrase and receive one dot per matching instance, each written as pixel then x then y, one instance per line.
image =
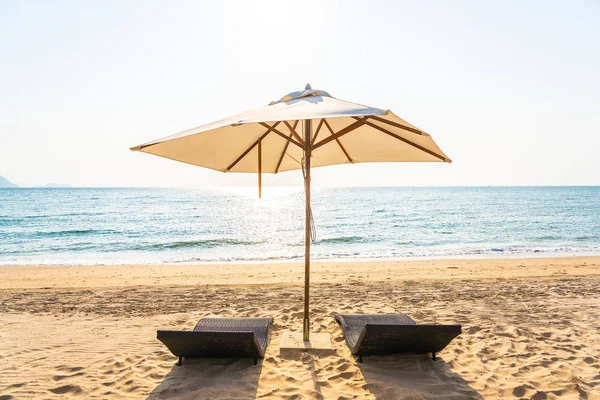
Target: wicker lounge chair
pixel 220 337
pixel 393 333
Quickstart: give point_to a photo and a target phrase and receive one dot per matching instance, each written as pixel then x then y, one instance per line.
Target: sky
pixel 509 90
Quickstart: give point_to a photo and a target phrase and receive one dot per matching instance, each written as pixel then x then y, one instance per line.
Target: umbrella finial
pixel 307 87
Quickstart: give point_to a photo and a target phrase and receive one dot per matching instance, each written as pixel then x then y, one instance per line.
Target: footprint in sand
pixel 17 385
pixel 67 389
pixel 64 368
pixel 520 391
pixel 61 377
pixel 474 329
pixel 539 396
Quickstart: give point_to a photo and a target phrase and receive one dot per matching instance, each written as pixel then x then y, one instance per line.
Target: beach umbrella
pixel 302 130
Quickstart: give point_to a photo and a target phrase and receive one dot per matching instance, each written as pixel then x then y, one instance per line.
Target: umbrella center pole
pixel 307 155
pixel 260 168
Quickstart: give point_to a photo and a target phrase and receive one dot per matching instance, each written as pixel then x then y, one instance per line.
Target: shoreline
pixel 82 276
pixel 479 256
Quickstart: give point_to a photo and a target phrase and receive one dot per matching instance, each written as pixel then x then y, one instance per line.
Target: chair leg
pixel 255 361
pixel 433 357
pixel 360 359
pixel 180 362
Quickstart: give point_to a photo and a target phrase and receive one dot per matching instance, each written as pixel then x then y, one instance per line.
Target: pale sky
pixel 509 90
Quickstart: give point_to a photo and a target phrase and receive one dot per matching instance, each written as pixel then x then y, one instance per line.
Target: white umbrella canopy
pixel 344 133
pixel 280 137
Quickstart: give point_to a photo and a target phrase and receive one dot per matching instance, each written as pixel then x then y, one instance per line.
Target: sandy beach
pixel 530 329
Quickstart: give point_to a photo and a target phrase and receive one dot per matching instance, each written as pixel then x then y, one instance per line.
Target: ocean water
pixel 115 226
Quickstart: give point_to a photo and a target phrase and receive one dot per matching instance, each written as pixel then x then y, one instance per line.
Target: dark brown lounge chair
pixel 393 333
pixel 220 337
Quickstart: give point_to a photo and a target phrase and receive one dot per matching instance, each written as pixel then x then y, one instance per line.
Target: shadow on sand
pixel 308 359
pixel 414 376
pixel 386 377
pixel 210 378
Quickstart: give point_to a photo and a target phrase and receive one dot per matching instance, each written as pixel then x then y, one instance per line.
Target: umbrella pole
pixel 259 169
pixel 307 154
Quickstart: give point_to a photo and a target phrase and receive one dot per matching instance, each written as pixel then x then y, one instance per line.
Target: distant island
pixel 5 183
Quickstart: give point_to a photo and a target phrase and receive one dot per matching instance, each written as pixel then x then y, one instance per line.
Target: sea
pixel 103 226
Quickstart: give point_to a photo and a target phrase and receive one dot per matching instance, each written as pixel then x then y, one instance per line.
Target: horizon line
pixel 285 186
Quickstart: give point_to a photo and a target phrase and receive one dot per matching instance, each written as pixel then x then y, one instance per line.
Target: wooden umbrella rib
pixel 287 143
pixel 314 139
pixel 272 129
pixel 294 133
pixel 379 128
pixel 360 122
pixel 397 125
pixel 249 149
pixel 338 142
